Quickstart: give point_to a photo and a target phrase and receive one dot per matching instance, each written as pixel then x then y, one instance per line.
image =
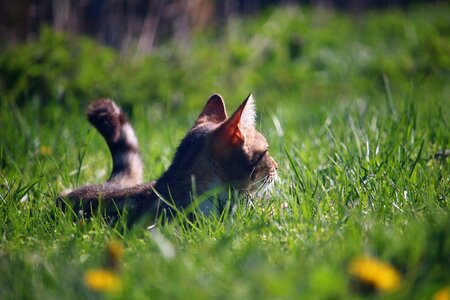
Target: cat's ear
pixel 214 110
pixel 229 135
pixel 248 117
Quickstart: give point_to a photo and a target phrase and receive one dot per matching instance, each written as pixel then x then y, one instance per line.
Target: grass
pixel 355 112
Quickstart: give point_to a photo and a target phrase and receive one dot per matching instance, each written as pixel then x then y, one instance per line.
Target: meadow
pixel 356 110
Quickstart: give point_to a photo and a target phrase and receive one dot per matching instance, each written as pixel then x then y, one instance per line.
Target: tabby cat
pixel 216 152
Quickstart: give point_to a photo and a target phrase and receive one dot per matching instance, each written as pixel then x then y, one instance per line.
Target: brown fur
pixel 217 151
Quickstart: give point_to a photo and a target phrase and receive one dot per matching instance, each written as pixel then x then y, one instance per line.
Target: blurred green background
pixel 353 97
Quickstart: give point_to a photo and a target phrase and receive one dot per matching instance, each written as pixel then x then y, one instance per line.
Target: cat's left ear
pixel 214 110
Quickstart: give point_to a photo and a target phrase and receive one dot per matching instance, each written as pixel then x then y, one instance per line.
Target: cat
pixel 216 152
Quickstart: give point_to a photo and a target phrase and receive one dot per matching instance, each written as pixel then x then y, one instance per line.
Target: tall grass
pixel 356 112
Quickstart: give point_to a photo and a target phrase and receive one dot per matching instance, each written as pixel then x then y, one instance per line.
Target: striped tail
pixel 112 124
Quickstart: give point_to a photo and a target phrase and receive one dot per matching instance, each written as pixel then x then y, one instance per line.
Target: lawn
pixel 357 113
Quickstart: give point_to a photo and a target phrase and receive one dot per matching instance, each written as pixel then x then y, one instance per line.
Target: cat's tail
pixel 112 124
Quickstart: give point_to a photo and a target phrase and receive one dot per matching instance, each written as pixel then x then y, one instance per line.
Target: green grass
pixel 354 109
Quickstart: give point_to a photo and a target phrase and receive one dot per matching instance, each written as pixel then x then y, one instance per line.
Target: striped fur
pixel 112 124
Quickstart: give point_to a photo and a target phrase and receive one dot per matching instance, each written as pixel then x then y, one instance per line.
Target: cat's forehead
pixel 254 140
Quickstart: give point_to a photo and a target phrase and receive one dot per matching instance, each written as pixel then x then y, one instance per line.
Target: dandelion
pixel 114 254
pixel 375 273
pixel 442 294
pixel 45 151
pixel 103 280
pixel 107 279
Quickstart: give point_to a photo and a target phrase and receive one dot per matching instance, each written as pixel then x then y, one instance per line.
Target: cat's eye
pixel 258 158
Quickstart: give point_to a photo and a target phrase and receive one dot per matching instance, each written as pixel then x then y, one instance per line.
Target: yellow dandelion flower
pixel 114 254
pixel 376 273
pixel 115 250
pixel 102 280
pixel 45 151
pixel 442 294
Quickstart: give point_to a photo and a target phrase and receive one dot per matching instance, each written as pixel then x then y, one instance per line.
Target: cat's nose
pixel 274 164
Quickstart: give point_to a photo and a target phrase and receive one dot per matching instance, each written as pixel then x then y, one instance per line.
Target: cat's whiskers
pixel 264 187
pixel 258 183
pixel 251 173
pixel 262 184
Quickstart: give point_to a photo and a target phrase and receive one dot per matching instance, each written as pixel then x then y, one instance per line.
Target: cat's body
pixel 216 152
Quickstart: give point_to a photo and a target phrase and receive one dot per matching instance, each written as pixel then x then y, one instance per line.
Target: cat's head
pixel 237 150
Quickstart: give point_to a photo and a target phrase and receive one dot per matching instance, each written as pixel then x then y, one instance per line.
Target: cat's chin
pixel 262 187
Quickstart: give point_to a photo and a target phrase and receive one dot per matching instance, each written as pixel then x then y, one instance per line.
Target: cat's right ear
pixel 214 111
